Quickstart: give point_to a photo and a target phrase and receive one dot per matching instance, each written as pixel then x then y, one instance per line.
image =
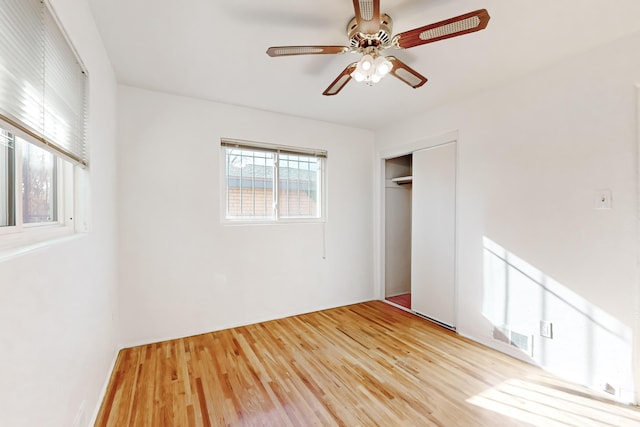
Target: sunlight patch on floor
pixel 549 405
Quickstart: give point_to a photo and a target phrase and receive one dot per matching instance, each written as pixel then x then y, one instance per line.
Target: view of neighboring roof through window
pixel 271 183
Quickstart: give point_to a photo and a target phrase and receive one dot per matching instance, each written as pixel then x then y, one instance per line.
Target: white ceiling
pixel 215 50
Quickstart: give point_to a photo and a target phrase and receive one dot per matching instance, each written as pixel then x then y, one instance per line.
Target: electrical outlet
pixel 546 329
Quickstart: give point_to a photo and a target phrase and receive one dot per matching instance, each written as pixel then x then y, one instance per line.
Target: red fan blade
pixel 305 50
pixel 367 15
pixel 340 81
pixel 405 73
pixel 463 24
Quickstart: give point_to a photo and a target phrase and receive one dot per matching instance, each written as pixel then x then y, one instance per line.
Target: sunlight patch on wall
pixel 571 336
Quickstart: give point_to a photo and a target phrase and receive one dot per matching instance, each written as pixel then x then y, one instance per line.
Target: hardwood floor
pixel 362 365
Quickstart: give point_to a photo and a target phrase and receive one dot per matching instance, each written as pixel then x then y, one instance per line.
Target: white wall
pixel 56 329
pixel 532 154
pixel 182 271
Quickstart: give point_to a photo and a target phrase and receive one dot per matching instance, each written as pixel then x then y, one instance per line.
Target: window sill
pixel 18 244
pixel 288 221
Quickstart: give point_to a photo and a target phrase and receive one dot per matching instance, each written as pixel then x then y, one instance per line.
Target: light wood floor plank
pixel 362 365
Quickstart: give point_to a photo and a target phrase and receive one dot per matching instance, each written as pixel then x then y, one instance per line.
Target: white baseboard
pixel 221 327
pixel 103 391
pixel 398 294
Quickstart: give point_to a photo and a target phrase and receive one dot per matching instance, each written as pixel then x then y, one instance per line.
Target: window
pixel 39 185
pixel 43 96
pixel 270 183
pixel 31 191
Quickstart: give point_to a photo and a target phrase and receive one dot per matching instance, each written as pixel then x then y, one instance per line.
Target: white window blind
pixel 234 143
pixel 42 84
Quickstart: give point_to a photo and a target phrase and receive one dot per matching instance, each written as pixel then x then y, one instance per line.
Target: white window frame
pixel 277 150
pixel 21 234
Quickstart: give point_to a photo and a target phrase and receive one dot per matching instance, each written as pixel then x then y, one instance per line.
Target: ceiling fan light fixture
pixel 371 69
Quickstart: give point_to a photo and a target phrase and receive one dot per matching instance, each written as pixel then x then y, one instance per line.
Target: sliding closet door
pixel 433 233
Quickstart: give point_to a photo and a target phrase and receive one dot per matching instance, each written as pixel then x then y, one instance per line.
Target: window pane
pixel 298 189
pixel 39 185
pixel 7 179
pixel 249 184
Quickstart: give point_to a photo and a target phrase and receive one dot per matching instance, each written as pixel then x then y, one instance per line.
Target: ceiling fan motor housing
pixel 381 39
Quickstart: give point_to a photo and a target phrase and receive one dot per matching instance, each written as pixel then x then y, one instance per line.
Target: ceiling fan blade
pixel 405 73
pixel 340 81
pixel 367 15
pixel 305 50
pixel 463 24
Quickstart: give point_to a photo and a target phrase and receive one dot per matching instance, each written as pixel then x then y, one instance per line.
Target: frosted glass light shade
pixel 358 76
pixel 382 66
pixel 366 62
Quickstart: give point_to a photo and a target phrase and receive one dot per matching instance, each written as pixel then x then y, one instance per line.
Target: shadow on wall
pixel 557 328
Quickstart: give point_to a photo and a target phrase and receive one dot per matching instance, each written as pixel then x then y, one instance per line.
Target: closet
pixel 420 232
pixel 398 189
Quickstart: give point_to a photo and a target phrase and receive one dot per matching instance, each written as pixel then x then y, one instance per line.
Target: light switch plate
pixel 546 329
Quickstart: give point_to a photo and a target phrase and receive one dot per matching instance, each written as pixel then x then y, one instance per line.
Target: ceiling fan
pixel 369 33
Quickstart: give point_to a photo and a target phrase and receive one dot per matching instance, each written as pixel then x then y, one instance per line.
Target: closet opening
pixel 398 187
